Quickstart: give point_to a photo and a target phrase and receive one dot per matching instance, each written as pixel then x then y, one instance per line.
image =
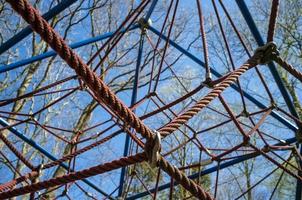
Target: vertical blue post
pixel 133 101
pixel 26 31
pixel 135 88
pixel 46 153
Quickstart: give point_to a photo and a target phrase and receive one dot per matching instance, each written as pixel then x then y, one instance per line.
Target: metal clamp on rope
pixel 152 149
pixel 267 51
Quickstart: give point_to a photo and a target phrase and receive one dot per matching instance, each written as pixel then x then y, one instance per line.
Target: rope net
pixel 203 111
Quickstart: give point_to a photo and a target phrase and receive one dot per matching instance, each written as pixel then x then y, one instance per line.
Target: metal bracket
pixel 144 24
pixel 153 148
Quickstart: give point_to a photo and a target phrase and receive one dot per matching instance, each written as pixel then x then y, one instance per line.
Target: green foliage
pixel 286 187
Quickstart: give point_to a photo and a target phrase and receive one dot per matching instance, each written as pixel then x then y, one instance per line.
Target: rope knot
pixel 152 149
pixel 267 53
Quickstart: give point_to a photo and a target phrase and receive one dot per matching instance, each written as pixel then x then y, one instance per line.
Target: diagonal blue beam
pixel 255 32
pixel 210 170
pixel 5 68
pixel 46 153
pixel 26 31
pixel 151 9
pixel 276 115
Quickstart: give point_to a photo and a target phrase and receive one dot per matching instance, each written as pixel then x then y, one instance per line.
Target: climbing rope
pixel 272 20
pixel 104 96
pixel 297 74
pixel 74 176
pixel 100 89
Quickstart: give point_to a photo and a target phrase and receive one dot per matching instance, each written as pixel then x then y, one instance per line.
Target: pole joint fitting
pixel 208 83
pixel 267 53
pixel 245 113
pixel 144 24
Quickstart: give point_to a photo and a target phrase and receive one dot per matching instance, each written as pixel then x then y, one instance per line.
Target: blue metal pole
pixel 255 32
pixel 151 9
pixel 210 170
pixel 276 115
pixel 5 68
pixel 133 101
pixel 46 153
pixel 26 31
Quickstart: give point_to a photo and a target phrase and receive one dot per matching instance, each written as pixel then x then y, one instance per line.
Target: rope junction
pixel 150 141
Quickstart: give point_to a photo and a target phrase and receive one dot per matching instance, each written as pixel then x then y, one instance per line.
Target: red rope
pixel 74 176
pixel 100 90
pixel 9 185
pixel 288 67
pixel 16 152
pixel 104 94
pixel 183 118
pixel 272 20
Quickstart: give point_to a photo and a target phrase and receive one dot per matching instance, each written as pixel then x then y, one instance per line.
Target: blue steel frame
pixel 217 74
pixel 5 68
pixel 133 101
pixel 236 160
pixel 46 153
pixel 135 88
pixel 64 4
pixel 26 31
pixel 255 32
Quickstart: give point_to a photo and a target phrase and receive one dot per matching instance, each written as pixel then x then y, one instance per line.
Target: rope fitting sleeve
pixel 152 149
pixel 268 52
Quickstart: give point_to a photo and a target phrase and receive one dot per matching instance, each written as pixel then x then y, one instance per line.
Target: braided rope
pixel 187 183
pixel 183 118
pixel 272 20
pixel 101 90
pixel 16 152
pixel 74 176
pixel 78 152
pixel 9 185
pixel 288 67
pixel 103 93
